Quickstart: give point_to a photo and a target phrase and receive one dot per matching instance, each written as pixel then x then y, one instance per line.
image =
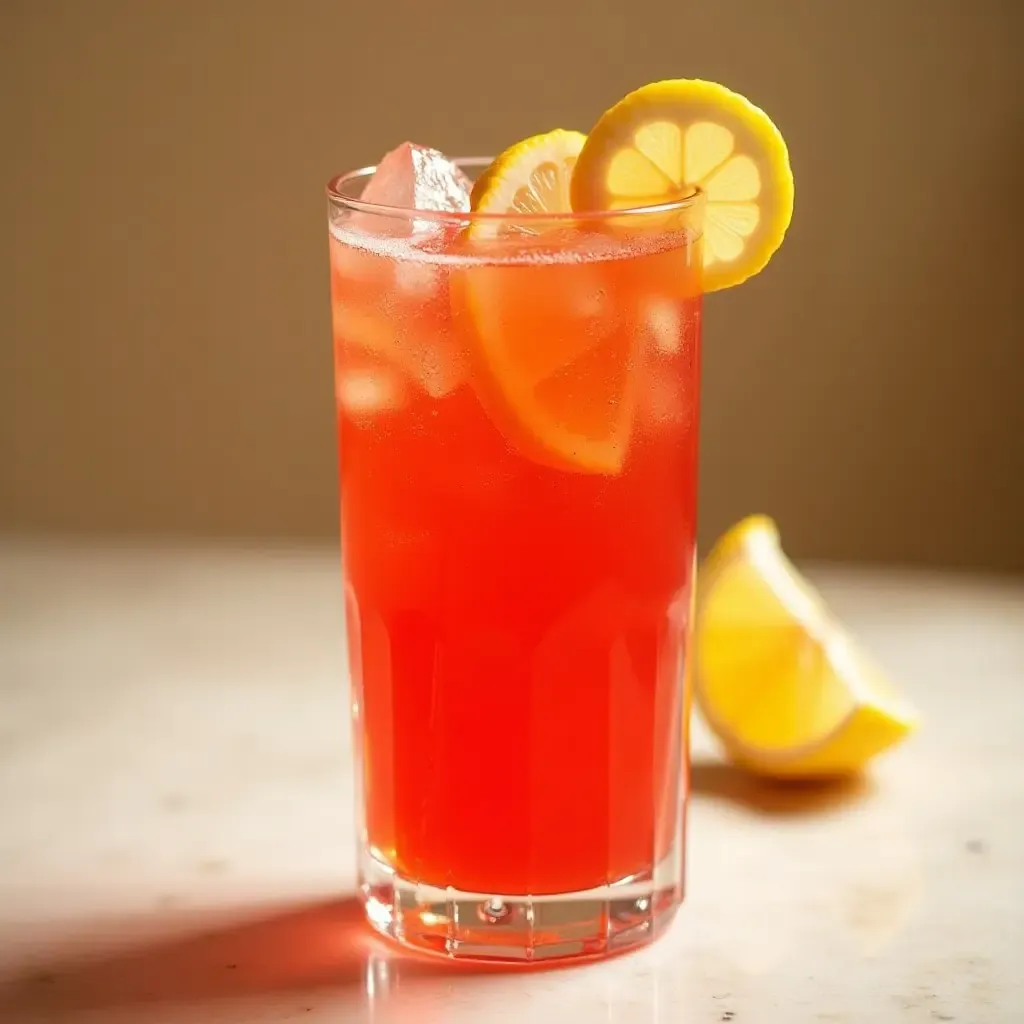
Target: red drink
pixel 518 575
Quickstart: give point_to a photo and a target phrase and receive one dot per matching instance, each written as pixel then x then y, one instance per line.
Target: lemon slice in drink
pixel 531 177
pixel 551 353
pixel 784 687
pixel 665 139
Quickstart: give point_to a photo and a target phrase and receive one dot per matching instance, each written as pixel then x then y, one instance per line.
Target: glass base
pixel 582 925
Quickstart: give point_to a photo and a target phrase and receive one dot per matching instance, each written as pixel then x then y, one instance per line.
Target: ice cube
pixel 414 178
pixel 663 320
pixel 364 392
pixel 417 347
pixel 361 328
pixel 435 360
pixel 355 269
pixel 662 402
pixel 417 279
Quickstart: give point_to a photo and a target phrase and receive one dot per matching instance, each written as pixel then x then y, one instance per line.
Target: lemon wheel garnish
pixel 665 140
pixel 553 358
pixel 785 688
pixel 531 177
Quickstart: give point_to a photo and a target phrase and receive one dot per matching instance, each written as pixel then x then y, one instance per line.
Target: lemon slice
pixel 552 354
pixel 665 140
pixel 780 682
pixel 531 177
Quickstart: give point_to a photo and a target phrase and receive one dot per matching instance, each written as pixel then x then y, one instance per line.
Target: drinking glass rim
pixel 336 194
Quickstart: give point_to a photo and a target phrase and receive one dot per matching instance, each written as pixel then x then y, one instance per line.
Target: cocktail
pixel 517 352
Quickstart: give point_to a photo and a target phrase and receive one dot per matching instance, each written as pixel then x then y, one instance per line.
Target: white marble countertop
pixel 175 807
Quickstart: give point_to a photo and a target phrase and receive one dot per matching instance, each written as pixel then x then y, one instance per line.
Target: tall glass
pixel 517 423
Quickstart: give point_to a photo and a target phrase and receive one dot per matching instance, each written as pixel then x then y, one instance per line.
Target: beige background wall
pixel 164 352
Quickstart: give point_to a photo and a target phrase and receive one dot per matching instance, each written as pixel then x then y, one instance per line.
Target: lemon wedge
pixel 531 177
pixel 667 139
pixel 784 687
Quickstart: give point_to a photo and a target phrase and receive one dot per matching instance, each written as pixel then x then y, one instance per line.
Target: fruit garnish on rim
pixel 781 683
pixel 667 139
pixel 562 381
pixel 531 178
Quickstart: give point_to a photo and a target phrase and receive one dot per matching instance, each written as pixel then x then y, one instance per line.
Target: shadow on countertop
pixel 323 949
pixel 320 948
pixel 720 780
pixel 298 948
